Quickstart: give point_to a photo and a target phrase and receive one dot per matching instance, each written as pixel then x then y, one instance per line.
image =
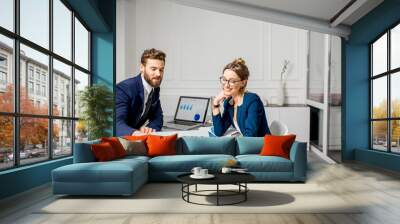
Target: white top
pixel 240 102
pixel 236 126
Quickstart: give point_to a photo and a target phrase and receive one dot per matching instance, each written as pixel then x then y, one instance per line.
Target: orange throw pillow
pixel 116 145
pixel 277 145
pixel 161 145
pixel 103 152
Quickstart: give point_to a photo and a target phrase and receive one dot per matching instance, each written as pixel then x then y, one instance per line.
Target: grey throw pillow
pixel 137 148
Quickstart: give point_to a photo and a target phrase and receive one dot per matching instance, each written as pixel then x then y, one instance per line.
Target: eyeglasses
pixel 231 82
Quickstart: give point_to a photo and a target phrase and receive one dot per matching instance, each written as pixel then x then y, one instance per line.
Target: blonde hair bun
pixel 239 61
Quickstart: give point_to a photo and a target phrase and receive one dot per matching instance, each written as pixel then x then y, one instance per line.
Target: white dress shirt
pixel 146 91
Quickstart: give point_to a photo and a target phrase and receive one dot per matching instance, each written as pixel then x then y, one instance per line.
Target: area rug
pixel 167 198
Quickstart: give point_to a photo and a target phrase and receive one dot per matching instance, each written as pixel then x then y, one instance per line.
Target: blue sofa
pixel 125 176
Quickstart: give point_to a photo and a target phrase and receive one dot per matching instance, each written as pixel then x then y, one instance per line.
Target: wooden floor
pixel 378 189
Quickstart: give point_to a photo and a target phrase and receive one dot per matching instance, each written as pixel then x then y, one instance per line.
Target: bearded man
pixel 138 107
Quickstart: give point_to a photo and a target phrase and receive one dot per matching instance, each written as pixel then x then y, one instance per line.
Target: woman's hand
pixel 219 98
pixel 217 101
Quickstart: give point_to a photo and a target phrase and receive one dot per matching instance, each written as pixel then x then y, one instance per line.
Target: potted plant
pixel 96 103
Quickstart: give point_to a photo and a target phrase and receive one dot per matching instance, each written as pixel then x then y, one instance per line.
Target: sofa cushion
pixel 185 163
pixel 132 158
pixel 116 145
pixel 161 145
pixel 83 153
pixel 136 147
pixel 136 137
pixel 103 152
pixel 257 163
pixel 111 171
pixel 277 145
pixel 249 145
pixel 198 145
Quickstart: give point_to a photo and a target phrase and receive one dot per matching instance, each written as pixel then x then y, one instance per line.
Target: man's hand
pixel 143 131
pixel 146 130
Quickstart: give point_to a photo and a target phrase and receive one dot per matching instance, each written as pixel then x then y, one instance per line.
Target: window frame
pixel 388 74
pixel 51 118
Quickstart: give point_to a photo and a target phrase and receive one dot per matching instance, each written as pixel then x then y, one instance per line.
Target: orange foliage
pixel 380 127
pixel 33 130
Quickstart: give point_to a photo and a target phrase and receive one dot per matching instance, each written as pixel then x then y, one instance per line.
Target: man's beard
pixel 152 82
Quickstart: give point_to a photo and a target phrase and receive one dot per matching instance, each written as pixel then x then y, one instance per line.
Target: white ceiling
pixel 314 15
pixel 318 9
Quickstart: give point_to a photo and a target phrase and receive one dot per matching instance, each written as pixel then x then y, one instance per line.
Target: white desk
pixel 201 131
pixel 296 118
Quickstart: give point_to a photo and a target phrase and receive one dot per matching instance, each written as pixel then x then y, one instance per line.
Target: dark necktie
pixel 143 118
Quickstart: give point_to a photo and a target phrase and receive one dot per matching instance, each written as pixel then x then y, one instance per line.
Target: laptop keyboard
pixel 187 123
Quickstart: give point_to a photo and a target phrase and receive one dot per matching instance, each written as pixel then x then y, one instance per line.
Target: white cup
pixel 196 170
pixel 226 170
pixel 203 172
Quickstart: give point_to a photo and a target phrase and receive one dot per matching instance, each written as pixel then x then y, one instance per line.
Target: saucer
pixel 240 171
pixel 208 176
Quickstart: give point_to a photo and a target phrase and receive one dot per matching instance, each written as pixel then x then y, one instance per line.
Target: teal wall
pixel 99 16
pixel 356 94
pixel 24 178
pixel 102 59
pixel 103 51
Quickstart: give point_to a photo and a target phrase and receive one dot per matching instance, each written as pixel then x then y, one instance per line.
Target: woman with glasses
pixel 243 110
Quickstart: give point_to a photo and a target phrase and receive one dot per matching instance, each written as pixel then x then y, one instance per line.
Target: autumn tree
pixel 6 122
pixel 396 123
pixel 33 131
pixel 380 127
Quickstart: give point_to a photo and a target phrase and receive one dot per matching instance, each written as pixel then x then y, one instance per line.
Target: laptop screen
pixel 192 109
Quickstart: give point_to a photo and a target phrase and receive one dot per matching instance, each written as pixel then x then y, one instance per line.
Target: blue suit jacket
pixel 251 117
pixel 129 106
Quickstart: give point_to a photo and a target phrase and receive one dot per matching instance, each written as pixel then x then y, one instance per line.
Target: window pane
pixel 6 142
pixel 379 135
pixel 34 97
pixel 6 74
pixel 395 47
pixel 395 94
pixel 35 21
pixel 62 141
pixel 33 139
pixel 379 55
pixel 81 81
pixel 7 14
pixel 62 89
pixel 335 85
pixel 81 45
pixel 379 97
pixel 81 131
pixel 317 67
pixel 62 29
pixel 395 132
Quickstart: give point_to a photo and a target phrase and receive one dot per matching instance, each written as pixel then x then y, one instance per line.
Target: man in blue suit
pixel 138 106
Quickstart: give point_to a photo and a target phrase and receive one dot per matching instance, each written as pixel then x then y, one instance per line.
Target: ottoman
pixel 118 177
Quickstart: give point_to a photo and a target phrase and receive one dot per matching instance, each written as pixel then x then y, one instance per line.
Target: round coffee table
pixel 238 179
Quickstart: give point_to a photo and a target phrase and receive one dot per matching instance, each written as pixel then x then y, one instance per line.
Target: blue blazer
pixel 251 117
pixel 129 106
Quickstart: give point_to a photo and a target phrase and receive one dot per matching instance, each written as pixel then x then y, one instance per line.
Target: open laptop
pixel 190 113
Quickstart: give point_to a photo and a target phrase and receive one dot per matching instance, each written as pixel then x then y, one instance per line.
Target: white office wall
pixel 199 43
pixel 126 35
